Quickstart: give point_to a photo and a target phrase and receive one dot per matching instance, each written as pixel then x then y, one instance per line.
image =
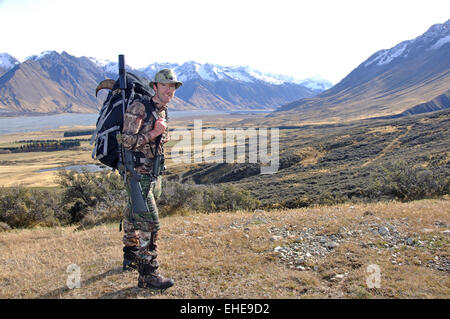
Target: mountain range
pixel 412 77
pixel 53 82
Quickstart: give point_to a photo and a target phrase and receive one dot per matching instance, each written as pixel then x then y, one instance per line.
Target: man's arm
pixel 132 123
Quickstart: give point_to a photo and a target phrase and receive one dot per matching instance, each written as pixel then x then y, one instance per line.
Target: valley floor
pixel 381 250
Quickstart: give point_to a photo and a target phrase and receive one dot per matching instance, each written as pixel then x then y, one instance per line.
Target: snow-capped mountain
pixel 40 56
pixel 192 70
pixel 234 87
pixel 409 78
pixel 436 36
pixel 65 83
pixel 212 72
pixel 111 67
pixel 7 62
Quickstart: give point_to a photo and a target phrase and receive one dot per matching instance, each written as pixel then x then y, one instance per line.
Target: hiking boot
pixel 129 265
pixel 155 282
pixel 129 258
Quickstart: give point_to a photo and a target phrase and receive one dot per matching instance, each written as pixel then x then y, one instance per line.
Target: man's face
pixel 164 92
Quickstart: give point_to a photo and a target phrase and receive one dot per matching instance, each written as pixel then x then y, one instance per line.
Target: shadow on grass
pixel 129 292
pixel 56 294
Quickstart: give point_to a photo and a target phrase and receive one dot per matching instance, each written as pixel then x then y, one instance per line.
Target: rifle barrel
pixel 122 81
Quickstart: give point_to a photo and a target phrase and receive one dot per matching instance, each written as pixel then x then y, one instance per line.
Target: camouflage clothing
pixel 140 230
pixel 135 134
pixel 147 222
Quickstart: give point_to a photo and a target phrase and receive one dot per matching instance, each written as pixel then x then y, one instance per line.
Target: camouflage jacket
pixel 135 133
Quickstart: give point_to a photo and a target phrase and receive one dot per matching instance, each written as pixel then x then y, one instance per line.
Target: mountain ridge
pixel 388 83
pixel 68 85
pixel 7 62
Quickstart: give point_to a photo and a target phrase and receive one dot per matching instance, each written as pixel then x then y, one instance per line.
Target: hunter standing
pixel 144 134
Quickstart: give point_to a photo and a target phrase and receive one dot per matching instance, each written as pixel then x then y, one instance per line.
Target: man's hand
pixel 160 127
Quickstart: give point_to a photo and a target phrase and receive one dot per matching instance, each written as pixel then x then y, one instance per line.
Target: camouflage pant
pixel 140 230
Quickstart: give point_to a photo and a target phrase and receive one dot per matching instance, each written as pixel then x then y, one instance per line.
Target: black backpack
pixel 110 120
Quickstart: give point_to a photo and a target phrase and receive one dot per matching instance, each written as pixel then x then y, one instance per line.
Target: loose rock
pixel 383 231
pixel 332 245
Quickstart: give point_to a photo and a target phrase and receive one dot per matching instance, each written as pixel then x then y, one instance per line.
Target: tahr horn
pixel 105 84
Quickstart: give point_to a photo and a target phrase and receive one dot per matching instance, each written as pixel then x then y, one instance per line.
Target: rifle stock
pixel 138 204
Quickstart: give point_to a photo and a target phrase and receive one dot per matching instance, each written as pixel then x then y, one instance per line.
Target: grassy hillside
pixel 309 252
pixel 341 162
pixel 320 252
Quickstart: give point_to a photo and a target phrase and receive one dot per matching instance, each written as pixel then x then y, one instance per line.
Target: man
pixel 145 135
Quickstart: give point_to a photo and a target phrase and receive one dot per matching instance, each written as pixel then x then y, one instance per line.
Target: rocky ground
pixel 304 248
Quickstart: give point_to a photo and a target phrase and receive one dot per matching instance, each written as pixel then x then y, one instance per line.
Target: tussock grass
pixel 231 255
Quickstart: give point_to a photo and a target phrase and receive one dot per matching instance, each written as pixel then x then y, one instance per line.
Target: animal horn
pixel 105 84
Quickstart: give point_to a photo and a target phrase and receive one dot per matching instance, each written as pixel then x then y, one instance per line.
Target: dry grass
pixel 383 129
pixel 231 255
pixel 23 168
pixel 310 155
pixel 391 146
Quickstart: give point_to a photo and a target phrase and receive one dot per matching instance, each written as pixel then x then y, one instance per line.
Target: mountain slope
pixel 50 83
pixel 386 84
pixel 54 83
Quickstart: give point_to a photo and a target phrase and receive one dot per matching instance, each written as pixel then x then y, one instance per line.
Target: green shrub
pixel 102 195
pixel 228 198
pixel 90 199
pixel 403 181
pixel 178 198
pixel 21 207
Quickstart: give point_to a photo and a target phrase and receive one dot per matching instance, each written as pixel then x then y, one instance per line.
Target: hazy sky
pixel 292 37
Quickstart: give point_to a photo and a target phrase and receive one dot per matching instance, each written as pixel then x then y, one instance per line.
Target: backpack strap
pixel 149 106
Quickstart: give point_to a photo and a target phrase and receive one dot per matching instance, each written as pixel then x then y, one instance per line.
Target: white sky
pixel 296 38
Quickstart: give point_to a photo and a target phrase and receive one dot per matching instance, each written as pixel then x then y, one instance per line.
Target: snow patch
pixel 441 42
pixel 111 67
pixel 7 61
pixel 41 55
pixel 99 62
pixel 205 72
pixel 387 56
pixel 239 76
pixel 437 34
pixel 316 83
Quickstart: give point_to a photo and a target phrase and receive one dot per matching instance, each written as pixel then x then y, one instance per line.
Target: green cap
pixel 166 76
